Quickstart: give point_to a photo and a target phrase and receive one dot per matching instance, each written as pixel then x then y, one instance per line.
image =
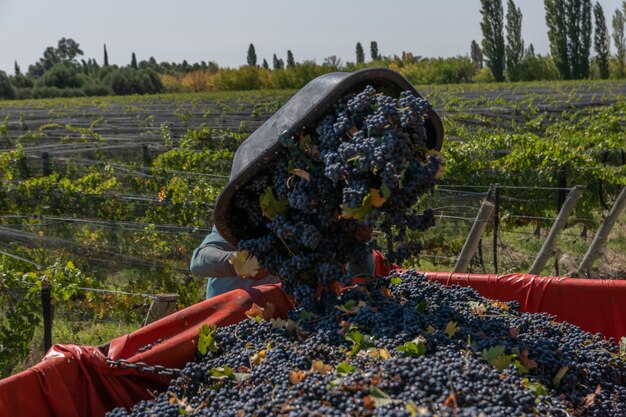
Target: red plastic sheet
pixel 76 381
pixel 595 305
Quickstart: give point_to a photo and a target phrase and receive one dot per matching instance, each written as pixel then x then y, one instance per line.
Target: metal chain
pixel 143 367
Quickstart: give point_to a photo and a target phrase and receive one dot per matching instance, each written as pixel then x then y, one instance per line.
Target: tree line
pixel 574 27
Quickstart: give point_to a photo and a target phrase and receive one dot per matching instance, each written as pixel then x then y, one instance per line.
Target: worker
pixel 211 260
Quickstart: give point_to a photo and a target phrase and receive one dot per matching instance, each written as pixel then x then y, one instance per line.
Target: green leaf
pixel 386 191
pixel 535 387
pixel 359 341
pixel 206 341
pixel 492 353
pixel 421 306
pixel 556 381
pixel 395 280
pixel 270 206
pixel 502 362
pixel 344 368
pixel 414 348
pixel 379 397
pixel 622 346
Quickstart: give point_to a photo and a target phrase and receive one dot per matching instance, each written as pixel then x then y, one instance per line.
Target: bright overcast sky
pixel 220 31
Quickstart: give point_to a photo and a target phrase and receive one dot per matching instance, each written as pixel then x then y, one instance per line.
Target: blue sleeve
pixel 210 259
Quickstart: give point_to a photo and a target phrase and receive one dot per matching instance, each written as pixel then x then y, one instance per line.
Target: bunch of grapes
pixel 310 214
pixel 400 346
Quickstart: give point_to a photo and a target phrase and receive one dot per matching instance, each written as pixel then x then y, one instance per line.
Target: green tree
pixel 601 42
pixel 133 61
pixel 476 54
pixel 493 38
pixel 290 61
pixel 619 40
pixel 68 49
pixel 17 68
pixel 360 55
pixel 251 56
pixel 374 51
pixel 265 64
pixel 105 62
pixel 514 41
pixel 556 19
pixel 62 76
pixel 569 33
pixel 277 63
pixel 7 91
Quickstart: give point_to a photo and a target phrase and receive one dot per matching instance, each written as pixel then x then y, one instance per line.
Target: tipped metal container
pixel 302 110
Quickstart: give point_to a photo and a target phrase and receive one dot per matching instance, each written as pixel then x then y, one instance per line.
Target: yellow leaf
pixel 245 264
pixel 302 174
pixel 296 376
pixel 377 198
pixel 451 328
pixel 258 357
pixel 259 312
pixel 321 367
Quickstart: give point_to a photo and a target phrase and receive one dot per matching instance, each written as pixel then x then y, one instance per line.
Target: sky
pixel 221 31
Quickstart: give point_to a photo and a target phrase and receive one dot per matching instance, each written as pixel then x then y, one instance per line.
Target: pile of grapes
pixel 309 216
pixel 399 346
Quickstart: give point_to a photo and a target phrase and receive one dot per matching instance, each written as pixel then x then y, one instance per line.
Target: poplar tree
pixel 619 40
pixel 133 61
pixel 569 33
pixel 265 64
pixel 360 55
pixel 290 61
pixel 374 51
pixel 601 42
pixel 514 41
pixel 106 56
pixel 493 38
pixel 476 54
pixel 251 56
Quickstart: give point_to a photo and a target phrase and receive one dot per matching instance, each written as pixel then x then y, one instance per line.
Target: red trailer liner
pixel 77 381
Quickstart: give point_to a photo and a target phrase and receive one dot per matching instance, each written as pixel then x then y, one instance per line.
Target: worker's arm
pixel 210 259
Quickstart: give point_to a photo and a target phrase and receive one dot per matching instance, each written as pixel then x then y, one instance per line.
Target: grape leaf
pixel 296 376
pixel 344 368
pixel 590 399
pixel 380 397
pixel 381 353
pixel 206 341
pixel 451 328
pixel 270 206
pixel 492 353
pixel 537 388
pixel 321 367
pixel 302 174
pixel 258 312
pixel 258 357
pixel 414 348
pixel 421 306
pixel 395 280
pixel 622 346
pixel 377 200
pixel 245 264
pixel 351 307
pixel 526 361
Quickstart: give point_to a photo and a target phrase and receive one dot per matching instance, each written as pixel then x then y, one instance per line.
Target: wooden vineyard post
pixel 602 235
pixel 45 164
pixel 161 306
pixel 496 225
pixel 471 243
pixel 559 224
